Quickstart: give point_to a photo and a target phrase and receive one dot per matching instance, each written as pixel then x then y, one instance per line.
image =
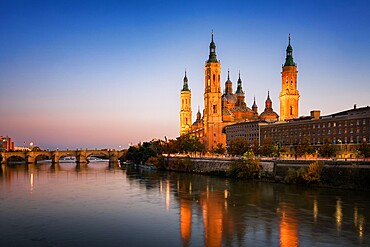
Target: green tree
pixel 143 151
pixel 304 148
pixel 189 143
pixel 327 149
pixel 364 149
pixel 246 168
pixel 256 148
pixel 238 146
pixel 219 149
pixel 267 148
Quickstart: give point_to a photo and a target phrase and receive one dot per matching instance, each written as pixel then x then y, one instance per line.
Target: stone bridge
pixel 82 156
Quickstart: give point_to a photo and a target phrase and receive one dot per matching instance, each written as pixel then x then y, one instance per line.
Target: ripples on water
pixel 94 205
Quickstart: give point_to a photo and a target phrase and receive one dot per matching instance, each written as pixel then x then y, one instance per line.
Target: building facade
pixel 6 144
pixel 345 129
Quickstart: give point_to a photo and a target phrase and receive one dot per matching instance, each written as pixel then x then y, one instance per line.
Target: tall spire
pixel 239 89
pixel 228 84
pixel 212 51
pixel 289 55
pixel 254 106
pixel 185 87
pixel 268 103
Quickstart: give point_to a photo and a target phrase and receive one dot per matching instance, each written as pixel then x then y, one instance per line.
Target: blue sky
pixel 109 73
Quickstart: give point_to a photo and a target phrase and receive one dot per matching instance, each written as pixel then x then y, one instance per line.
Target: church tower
pixel 212 100
pixel 185 111
pixel 289 95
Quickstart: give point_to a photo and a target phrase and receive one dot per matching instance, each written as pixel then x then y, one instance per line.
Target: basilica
pixel 223 108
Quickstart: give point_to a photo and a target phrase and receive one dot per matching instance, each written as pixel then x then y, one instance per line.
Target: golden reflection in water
pixel 190 188
pixel 168 194
pixel 338 214
pixel 359 221
pixel 213 215
pixel 31 183
pixel 288 227
pixel 160 187
pixel 185 221
pixel 315 210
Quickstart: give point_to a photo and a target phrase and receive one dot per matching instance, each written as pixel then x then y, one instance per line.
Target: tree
pixel 256 148
pixel 327 150
pixel 189 143
pixel 267 148
pixel 305 148
pixel 363 149
pixel 238 146
pixel 142 152
pixel 220 149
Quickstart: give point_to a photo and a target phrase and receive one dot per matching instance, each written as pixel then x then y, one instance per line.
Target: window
pixel 291 110
pixel 215 109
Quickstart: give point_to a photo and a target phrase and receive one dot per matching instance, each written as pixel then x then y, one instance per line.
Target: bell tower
pixel 185 111
pixel 289 95
pixel 212 100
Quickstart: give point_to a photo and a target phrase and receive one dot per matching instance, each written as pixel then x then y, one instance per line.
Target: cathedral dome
pixel 268 114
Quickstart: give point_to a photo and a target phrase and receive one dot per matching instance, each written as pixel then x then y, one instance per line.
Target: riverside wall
pixel 334 173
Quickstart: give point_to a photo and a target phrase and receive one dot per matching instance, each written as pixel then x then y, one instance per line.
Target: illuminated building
pixel 220 109
pixel 346 129
pixel 185 111
pixel 289 95
pixel 6 143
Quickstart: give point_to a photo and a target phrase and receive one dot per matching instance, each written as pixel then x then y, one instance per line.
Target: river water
pixel 94 205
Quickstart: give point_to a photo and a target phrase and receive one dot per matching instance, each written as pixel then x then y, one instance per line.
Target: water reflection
pixel 288 226
pixel 192 210
pixel 338 214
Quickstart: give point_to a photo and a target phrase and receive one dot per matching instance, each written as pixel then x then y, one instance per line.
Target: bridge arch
pixel 99 154
pixel 40 156
pixel 14 157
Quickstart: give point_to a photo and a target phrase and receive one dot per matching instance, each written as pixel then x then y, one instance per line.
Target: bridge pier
pixel 81 159
pixel 31 160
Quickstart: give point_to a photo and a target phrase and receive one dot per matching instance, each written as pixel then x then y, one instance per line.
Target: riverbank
pixel 353 175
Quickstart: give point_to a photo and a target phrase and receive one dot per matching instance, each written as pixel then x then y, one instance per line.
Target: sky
pixel 105 74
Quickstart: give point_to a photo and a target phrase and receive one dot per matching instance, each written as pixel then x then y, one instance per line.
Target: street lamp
pixel 340 143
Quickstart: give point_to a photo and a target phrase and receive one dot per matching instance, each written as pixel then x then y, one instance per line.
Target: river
pixel 98 205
